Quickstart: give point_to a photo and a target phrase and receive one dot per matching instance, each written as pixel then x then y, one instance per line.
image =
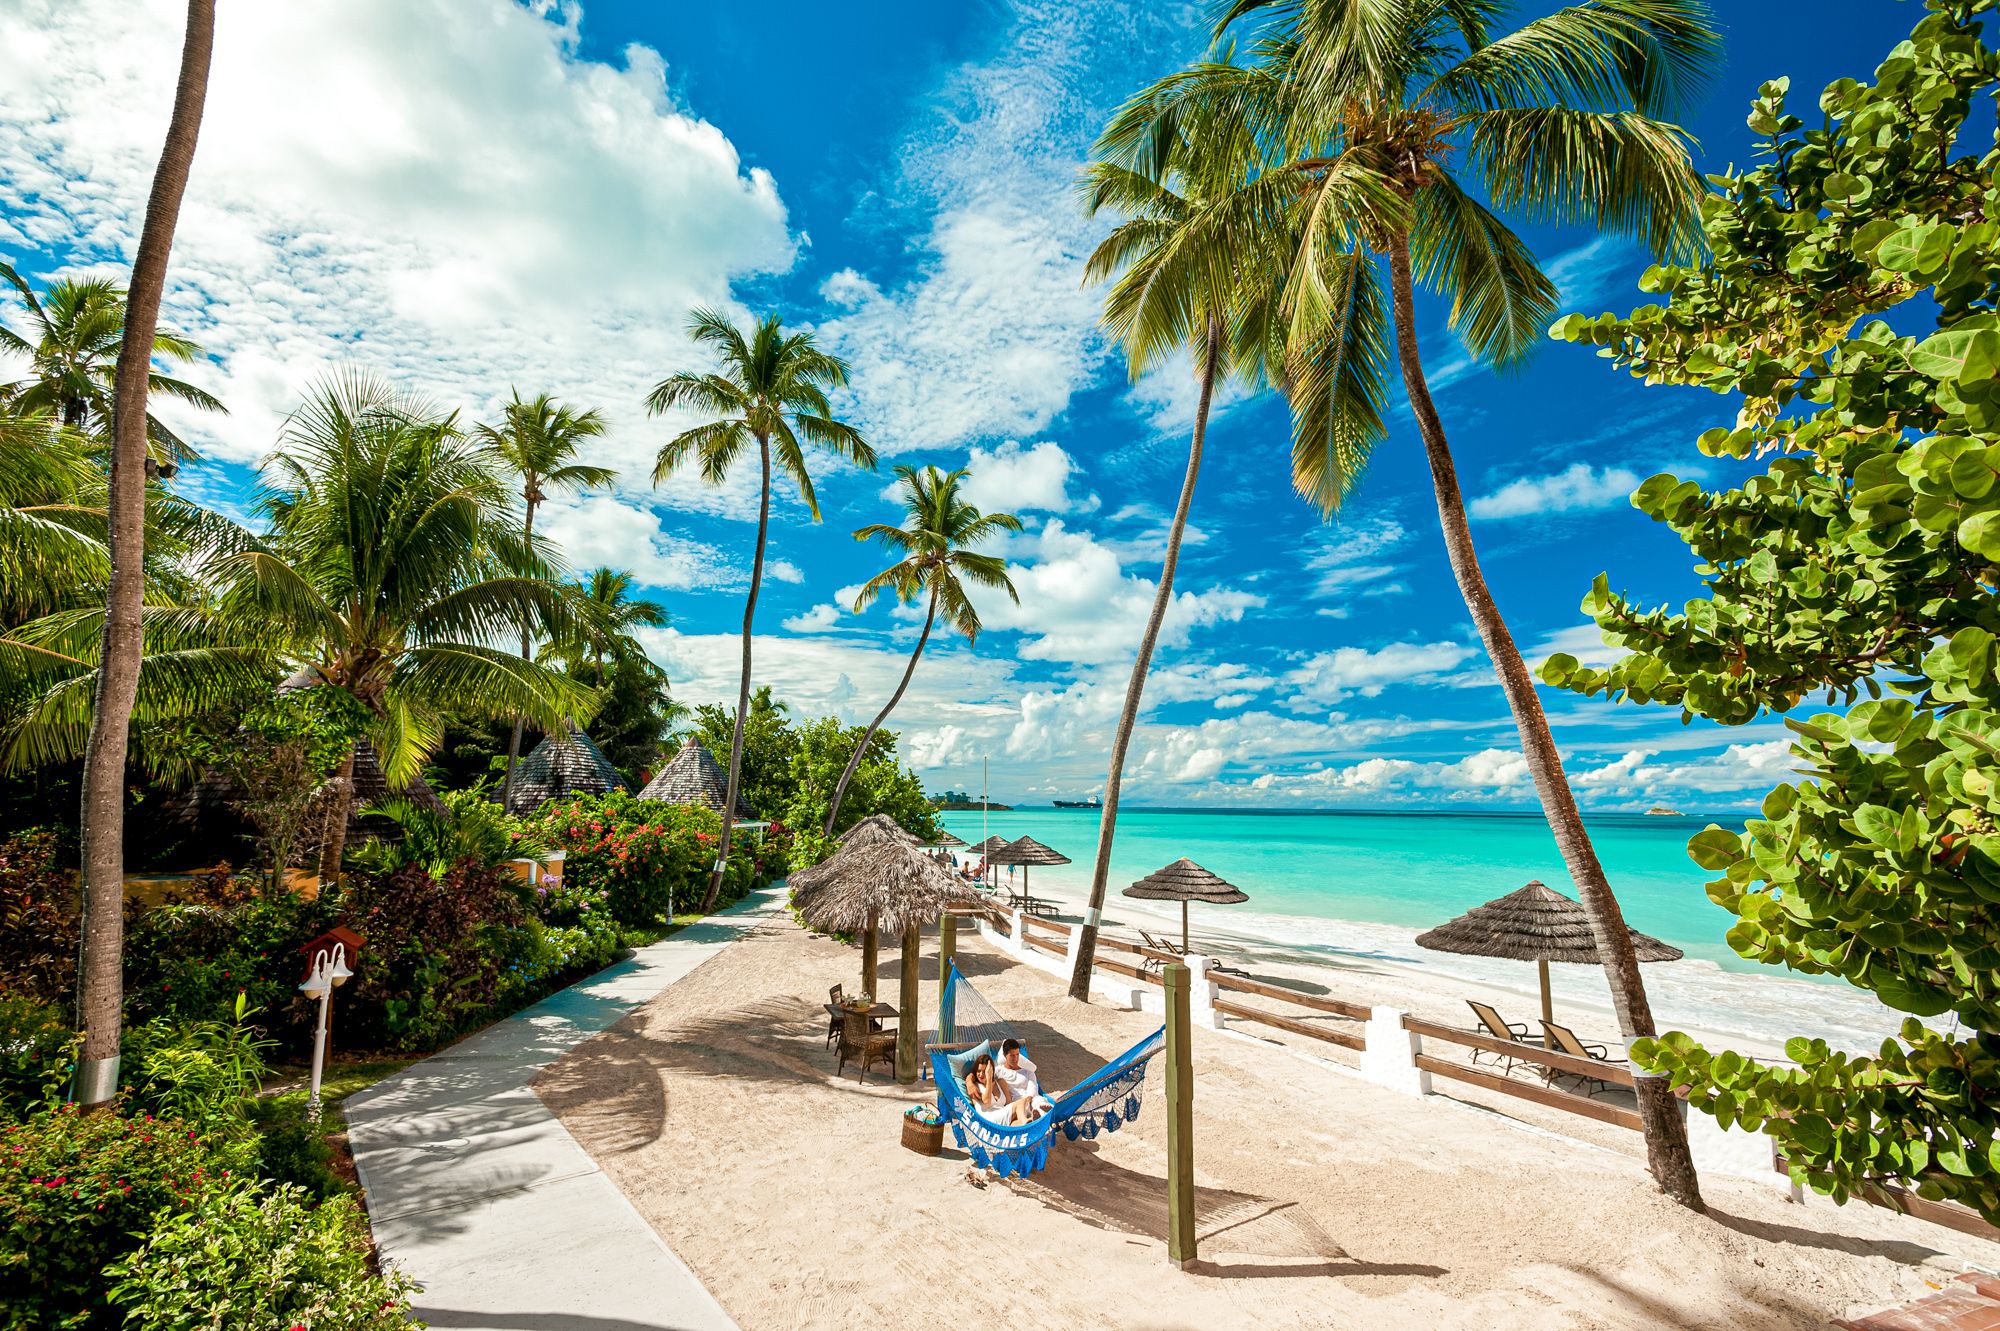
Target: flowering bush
pixel 646 857
pixel 76 1193
pixel 259 1256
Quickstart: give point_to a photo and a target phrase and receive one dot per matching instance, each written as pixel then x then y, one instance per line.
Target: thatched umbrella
pixel 1538 924
pixel 1186 881
pixel 878 827
pixel 986 849
pixel 1025 852
pixel 694 777
pixel 947 840
pixel 879 885
pixel 562 765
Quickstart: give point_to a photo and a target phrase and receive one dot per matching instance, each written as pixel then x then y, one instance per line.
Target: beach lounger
pixel 1169 946
pixel 1499 1028
pixel 1567 1042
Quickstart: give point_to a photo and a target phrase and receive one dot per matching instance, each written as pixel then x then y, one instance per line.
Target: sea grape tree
pixel 1852 301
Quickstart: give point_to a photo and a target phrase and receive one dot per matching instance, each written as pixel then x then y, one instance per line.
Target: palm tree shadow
pixel 1269 1237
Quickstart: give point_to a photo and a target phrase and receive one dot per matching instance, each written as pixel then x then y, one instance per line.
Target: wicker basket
pixel 923 1138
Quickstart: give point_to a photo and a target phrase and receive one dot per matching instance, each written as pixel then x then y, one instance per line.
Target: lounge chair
pixel 861 1043
pixel 1167 945
pixel 1566 1041
pixel 833 996
pixel 1499 1028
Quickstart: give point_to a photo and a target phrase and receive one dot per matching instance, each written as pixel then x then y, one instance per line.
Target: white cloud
pixel 783 570
pixel 1583 641
pixel 1329 677
pixel 1017 478
pixel 1574 489
pixel 1356 558
pixel 596 530
pixel 995 332
pixel 444 191
pixel 816 620
pixel 1079 605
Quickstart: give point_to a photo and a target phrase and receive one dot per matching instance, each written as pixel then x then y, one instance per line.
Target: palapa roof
pixel 694 777
pixel 944 838
pixel 989 845
pixel 1535 923
pixel 877 827
pixel 1027 851
pixel 560 766
pixel 889 884
pixel 1184 880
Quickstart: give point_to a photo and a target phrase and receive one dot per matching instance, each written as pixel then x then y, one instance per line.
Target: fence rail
pixel 1332 1035
pixel 1352 1011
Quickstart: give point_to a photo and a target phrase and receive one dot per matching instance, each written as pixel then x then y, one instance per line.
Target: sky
pixel 471 197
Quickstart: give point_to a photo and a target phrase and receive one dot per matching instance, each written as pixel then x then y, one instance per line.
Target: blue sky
pixel 468 195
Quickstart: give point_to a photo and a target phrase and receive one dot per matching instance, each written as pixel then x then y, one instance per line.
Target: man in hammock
pixel 1017 1073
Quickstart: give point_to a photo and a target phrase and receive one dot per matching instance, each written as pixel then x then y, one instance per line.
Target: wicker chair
pixel 833 1022
pixel 861 1044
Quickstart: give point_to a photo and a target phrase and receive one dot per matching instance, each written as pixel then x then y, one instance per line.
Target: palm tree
pixel 75 331
pixel 1195 276
pixel 1369 115
pixel 936 539
pixel 101 961
pixel 606 614
pixel 770 390
pixel 391 561
pixel 537 441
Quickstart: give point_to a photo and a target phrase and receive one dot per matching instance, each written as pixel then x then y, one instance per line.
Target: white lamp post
pixel 329 969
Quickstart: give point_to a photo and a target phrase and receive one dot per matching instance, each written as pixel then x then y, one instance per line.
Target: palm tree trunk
pixel 527 654
pixel 743 685
pixel 1665 1129
pixel 333 845
pixel 854 763
pixel 101 964
pixel 1128 718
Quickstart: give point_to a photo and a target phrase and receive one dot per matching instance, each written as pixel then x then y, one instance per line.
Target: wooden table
pixel 876 1013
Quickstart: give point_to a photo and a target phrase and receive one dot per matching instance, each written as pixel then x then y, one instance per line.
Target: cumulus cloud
pixel 1017 478
pixel 448 193
pixel 818 619
pixel 1577 488
pixel 1330 677
pixel 596 530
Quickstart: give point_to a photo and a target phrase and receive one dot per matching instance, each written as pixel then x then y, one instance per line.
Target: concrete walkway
pixel 479 1194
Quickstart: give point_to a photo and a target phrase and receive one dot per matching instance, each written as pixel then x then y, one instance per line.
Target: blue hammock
pixel 1104 1101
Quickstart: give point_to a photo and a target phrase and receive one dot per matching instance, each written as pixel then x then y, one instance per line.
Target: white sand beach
pixel 1324 1200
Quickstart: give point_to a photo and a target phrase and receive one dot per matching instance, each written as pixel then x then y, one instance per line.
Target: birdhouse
pixel 337 936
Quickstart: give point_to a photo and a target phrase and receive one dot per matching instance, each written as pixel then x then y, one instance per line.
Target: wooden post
pixel 869 945
pixel 1548 1005
pixel 1180 1117
pixel 906 1025
pixel 947 946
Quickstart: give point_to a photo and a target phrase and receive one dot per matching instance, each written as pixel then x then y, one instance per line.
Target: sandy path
pixel 1324 1201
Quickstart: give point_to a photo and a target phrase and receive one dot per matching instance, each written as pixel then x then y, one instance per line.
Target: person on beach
pixel 990 1097
pixel 1017 1071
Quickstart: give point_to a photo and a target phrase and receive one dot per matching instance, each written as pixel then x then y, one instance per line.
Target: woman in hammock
pixel 989 1096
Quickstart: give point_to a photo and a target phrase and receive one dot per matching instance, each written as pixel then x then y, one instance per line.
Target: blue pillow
pixel 961 1064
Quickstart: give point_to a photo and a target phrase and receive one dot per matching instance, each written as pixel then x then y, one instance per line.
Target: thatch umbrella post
pixel 906 1002
pixel 1186 882
pixel 870 949
pixel 1538 924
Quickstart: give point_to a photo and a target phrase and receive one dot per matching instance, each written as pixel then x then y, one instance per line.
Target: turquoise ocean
pixel 1363 884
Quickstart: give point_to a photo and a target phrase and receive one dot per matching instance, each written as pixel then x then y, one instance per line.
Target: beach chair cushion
pixel 962 1063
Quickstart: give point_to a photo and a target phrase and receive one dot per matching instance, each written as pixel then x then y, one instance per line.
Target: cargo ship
pixel 1092 803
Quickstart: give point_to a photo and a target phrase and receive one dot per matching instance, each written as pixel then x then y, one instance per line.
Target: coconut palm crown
pixel 939 529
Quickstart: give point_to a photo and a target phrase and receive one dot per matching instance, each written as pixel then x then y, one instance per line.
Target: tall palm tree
pixel 770 391
pixel 1371 115
pixel 75 330
pixel 1196 277
pixel 101 959
pixel 538 440
pixel 606 615
pixel 391 561
pixel 936 539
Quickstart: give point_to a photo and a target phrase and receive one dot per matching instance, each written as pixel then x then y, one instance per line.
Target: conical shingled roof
pixel 1027 851
pixel 561 766
pixel 694 777
pixel 1535 923
pixel 1184 880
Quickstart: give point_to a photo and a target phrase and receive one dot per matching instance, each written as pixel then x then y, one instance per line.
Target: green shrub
pixel 188 960
pixel 76 1193
pixel 37 1055
pixel 201 1072
pixel 259 1257
pixel 291 1148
